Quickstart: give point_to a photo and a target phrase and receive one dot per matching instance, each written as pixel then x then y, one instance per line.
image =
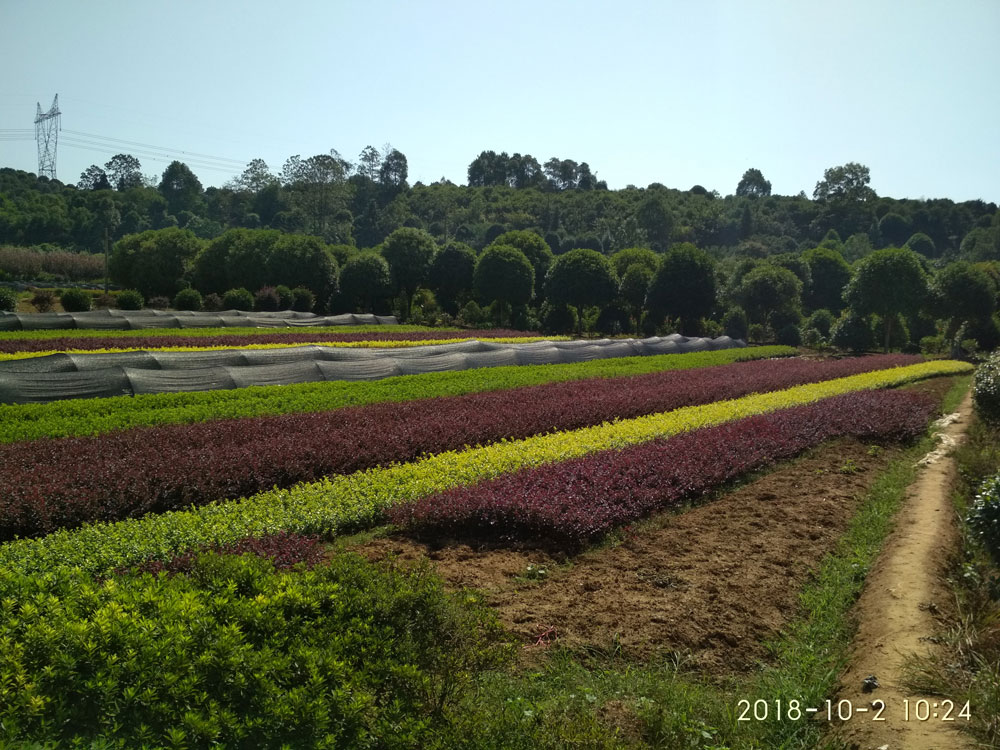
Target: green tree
pixel 630 256
pixel 770 294
pixel 894 229
pixel 94 178
pixel 922 244
pixel 503 274
pixel 409 253
pixel 157 262
pixel 532 245
pixel 848 183
pixel 634 287
pixel 581 278
pixel 451 275
pixel 683 286
pixel 961 293
pixel 124 172
pixel 655 218
pixel 830 274
pixel 887 283
pixel 753 185
pixel 365 282
pixel 300 260
pixel 181 189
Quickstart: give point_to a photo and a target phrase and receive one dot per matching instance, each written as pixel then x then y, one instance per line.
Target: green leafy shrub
pixel 304 300
pixel 238 299
pixel 285 297
pixel 76 300
pixel 558 319
pixel 984 518
pixel 236 654
pixel 472 315
pixel 266 299
pixel 735 323
pixel 188 299
pixel 852 332
pixel 822 320
pixel 130 299
pixel 932 345
pixel 212 302
pixel 789 335
pixel 986 390
pixel 43 300
pixel 8 299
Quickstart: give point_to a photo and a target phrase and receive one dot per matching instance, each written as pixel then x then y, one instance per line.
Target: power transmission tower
pixel 47 125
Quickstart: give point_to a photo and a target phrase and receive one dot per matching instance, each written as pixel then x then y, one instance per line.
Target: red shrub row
pixel 54 483
pixel 236 341
pixel 575 501
pixel 284 549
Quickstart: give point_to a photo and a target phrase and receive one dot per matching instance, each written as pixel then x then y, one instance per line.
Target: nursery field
pixel 609 553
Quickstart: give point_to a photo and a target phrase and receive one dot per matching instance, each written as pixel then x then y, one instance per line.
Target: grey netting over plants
pixel 60 376
pixel 125 320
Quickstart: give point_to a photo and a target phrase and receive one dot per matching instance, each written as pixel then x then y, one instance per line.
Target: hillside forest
pixel 528 245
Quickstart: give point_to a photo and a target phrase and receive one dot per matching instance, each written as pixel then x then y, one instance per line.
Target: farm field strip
pixel 366 343
pixel 245 338
pixel 81 417
pixel 6 337
pixel 53 484
pixel 334 504
pixel 576 501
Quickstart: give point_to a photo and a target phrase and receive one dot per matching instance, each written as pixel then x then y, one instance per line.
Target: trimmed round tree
pixel 634 286
pixel 684 286
pixel 631 256
pixel 769 293
pixel 451 275
pixel 535 249
pixel 830 274
pixel 887 282
pixel 961 293
pixel 503 274
pixel 409 253
pixel 581 278
pixel 365 281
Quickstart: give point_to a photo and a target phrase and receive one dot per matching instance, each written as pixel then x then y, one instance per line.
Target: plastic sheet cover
pixel 124 320
pixel 61 376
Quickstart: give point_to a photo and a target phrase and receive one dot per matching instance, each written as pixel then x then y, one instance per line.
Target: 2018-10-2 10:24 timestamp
pixel 844 710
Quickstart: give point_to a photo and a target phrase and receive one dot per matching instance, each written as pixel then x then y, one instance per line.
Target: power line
pixel 165 158
pixel 148 146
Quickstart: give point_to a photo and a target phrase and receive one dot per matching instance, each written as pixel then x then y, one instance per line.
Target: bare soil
pixel 899 610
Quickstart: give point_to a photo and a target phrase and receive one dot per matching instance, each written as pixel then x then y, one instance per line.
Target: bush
pixel 932 345
pixel 8 299
pixel 789 335
pixel 266 299
pixel 559 319
pixel 130 299
pixel 756 333
pixel 279 655
pixel 852 332
pixel 212 302
pixel 303 299
pixel 812 338
pixel 238 299
pixel 472 315
pixel 188 299
pixel 984 518
pixel 735 323
pixel 986 390
pixel 76 300
pixel 43 300
pixel 822 320
pixel 285 297
pixel 158 302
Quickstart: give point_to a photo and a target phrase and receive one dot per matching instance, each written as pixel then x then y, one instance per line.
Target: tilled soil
pixel 710 584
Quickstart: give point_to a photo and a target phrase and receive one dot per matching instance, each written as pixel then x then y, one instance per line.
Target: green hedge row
pixel 96 416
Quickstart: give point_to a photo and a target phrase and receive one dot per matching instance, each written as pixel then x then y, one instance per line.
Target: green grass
pixel 96 416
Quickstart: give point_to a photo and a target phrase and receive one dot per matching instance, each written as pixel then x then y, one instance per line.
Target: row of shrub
pixel 574 502
pixel 237 654
pixel 55 484
pixel 96 416
pixel 338 503
pixel 266 338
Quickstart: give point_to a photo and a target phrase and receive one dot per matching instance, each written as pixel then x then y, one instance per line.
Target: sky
pixel 676 92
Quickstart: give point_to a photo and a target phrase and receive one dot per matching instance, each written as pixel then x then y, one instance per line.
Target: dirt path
pixel 896 613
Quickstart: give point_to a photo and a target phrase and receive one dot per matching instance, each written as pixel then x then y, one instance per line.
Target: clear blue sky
pixel 681 93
